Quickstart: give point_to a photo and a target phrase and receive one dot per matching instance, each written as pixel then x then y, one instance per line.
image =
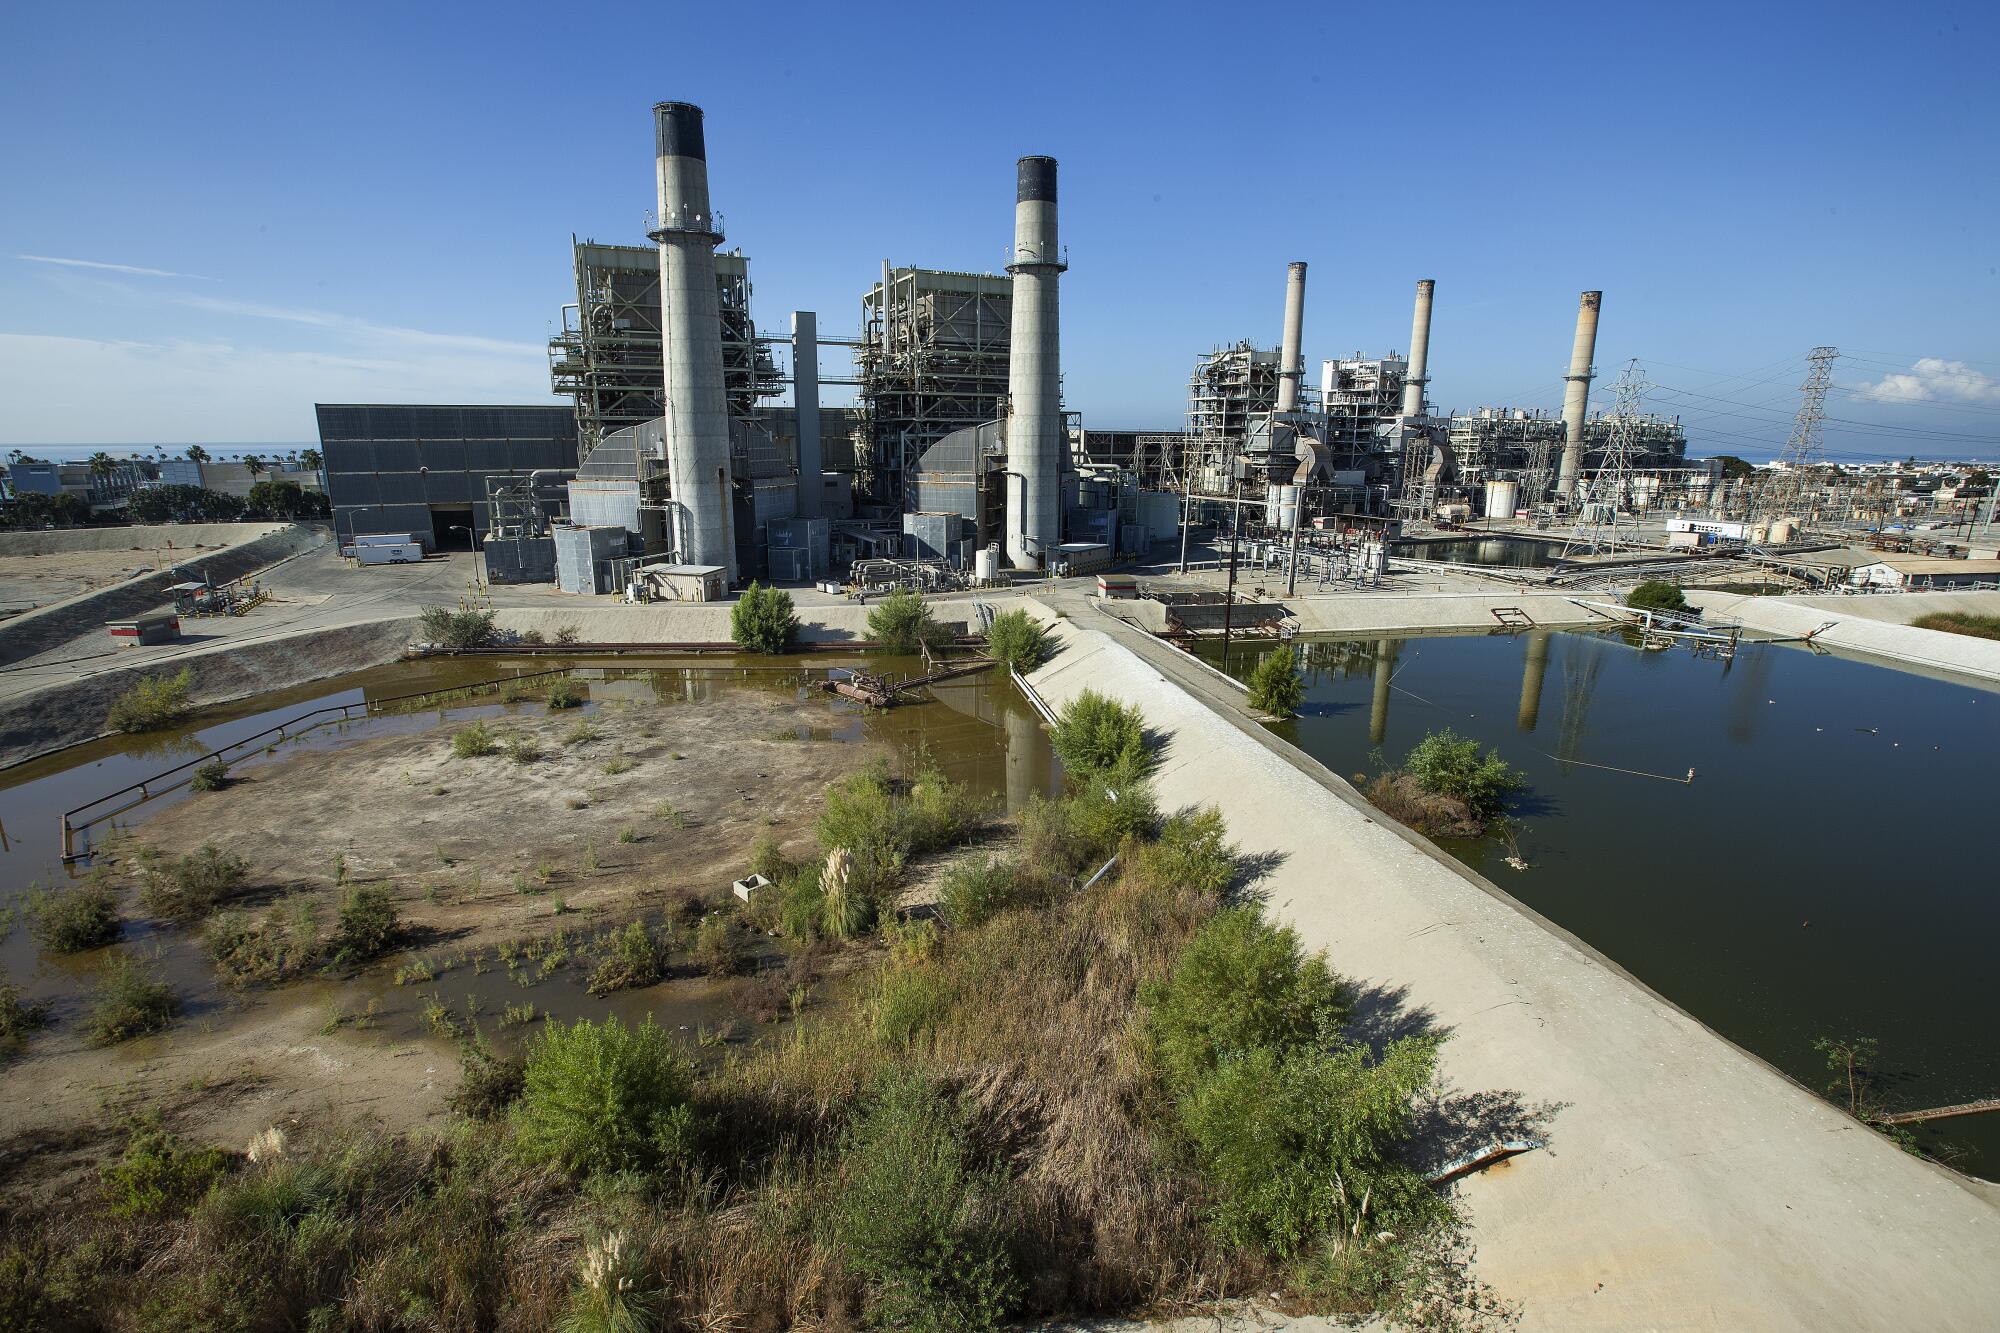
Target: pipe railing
pixel 173 779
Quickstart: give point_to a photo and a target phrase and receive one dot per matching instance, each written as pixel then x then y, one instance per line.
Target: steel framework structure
pixel 1792 491
pixel 1609 489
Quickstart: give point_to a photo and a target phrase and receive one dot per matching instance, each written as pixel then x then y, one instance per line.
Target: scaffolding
pixel 932 360
pixel 608 357
pixel 1360 397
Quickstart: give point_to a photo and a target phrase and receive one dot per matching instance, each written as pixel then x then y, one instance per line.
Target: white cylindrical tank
pixel 1502 498
pixel 986 564
pixel 1784 531
pixel 1760 533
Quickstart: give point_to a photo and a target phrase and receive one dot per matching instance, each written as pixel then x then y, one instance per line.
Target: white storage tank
pixel 1760 534
pixel 1502 498
pixel 1784 531
pixel 986 565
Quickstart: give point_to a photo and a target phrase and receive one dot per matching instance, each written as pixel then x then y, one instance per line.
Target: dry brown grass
pixel 1398 796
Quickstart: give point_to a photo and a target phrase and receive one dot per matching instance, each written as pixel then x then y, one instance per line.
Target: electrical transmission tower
pixel 1792 492
pixel 1597 530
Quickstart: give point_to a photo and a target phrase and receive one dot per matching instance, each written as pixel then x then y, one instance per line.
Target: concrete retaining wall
pixel 66 714
pixel 605 621
pixel 1684 1183
pixel 1857 632
pixel 52 626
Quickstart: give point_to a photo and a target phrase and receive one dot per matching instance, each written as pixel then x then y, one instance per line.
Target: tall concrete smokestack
pixel 1420 351
pixel 1290 367
pixel 1034 386
pixel 697 415
pixel 805 399
pixel 1576 393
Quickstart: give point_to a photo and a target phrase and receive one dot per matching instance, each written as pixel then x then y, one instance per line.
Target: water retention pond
pixel 1829 872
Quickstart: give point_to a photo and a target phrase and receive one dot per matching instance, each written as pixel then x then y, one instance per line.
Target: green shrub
pixel 211 776
pixel 283 946
pixel 128 1001
pixel 911 1000
pixel 456 630
pixel 1304 1144
pixel 637 958
pixel 1445 764
pixel 187 888
pixel 976 890
pixel 921 1219
pixel 368 924
pixel 472 742
pixel 902 623
pixel 1095 736
pixel 1275 683
pixel 155 703
pixel 615 1290
pixel 762 620
pixel 1101 816
pixel 18 1018
pixel 718 949
pixel 767 858
pixel 801 905
pixel 489 1082
pixel 82 916
pixel 1017 640
pixel 1240 985
pixel 1656 595
pixel 599 1097
pixel 526 750
pixel 565 693
pixel 158 1174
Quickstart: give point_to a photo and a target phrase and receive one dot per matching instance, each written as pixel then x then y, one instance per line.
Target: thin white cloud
pixel 210 390
pixel 112 268
pixel 350 324
pixel 1933 379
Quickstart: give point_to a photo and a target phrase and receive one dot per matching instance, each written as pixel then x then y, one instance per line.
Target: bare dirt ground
pixel 476 851
pixel 28 581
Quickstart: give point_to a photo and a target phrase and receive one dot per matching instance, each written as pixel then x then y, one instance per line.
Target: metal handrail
pixel 151 787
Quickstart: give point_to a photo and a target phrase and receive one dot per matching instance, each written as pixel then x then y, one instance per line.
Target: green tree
pixel 254 464
pixel 1656 595
pixel 599 1097
pixel 197 454
pixel 1275 684
pixel 1734 468
pixel 310 459
pixel 762 620
pixel 1017 640
pixel 903 623
pixel 102 465
pixel 1850 1061
pixel 1097 737
pixel 1446 764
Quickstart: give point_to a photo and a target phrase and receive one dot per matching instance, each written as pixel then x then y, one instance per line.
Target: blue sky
pixel 375 202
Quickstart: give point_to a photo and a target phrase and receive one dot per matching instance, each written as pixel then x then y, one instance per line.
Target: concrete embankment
pixel 1683 1183
pixel 73 711
pixel 257 546
pixel 671 623
pixel 1863 625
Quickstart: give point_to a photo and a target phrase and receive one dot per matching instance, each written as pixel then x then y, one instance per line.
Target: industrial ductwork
pixel 1576 392
pixel 1034 385
pixel 697 412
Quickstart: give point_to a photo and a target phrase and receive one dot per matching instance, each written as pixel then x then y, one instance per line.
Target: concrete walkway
pixel 1685 1184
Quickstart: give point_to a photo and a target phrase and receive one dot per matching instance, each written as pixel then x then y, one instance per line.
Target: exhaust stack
pixel 1420 351
pixel 1576 393
pixel 697 413
pixel 1290 367
pixel 1034 385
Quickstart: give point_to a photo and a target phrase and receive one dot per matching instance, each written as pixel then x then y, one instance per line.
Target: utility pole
pixel 1597 518
pixel 1229 592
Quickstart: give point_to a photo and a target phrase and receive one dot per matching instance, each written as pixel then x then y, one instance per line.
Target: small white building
pixel 1916 572
pixel 682 583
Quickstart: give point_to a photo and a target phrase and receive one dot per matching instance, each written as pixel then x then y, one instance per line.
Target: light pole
pixel 1235 527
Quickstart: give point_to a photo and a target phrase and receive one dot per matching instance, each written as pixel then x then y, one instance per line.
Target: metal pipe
pixel 1290 367
pixel 1035 436
pixel 805 401
pixel 697 412
pixel 1576 392
pixel 886 280
pixel 1418 374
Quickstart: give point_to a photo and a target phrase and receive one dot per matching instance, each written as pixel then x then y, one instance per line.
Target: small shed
pixel 686 583
pixel 1922 571
pixel 153 627
pixel 1117 587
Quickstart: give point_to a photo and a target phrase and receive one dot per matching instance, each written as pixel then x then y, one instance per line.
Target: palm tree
pixel 197 454
pixel 309 459
pixel 102 465
pixel 254 464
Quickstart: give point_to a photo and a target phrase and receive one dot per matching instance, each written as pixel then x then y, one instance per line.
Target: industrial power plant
pixel 674 476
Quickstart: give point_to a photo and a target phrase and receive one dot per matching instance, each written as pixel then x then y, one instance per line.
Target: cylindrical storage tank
pixel 1783 531
pixel 1760 534
pixel 986 564
pixel 1502 498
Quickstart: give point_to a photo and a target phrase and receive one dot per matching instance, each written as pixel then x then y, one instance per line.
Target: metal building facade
pixel 423 468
